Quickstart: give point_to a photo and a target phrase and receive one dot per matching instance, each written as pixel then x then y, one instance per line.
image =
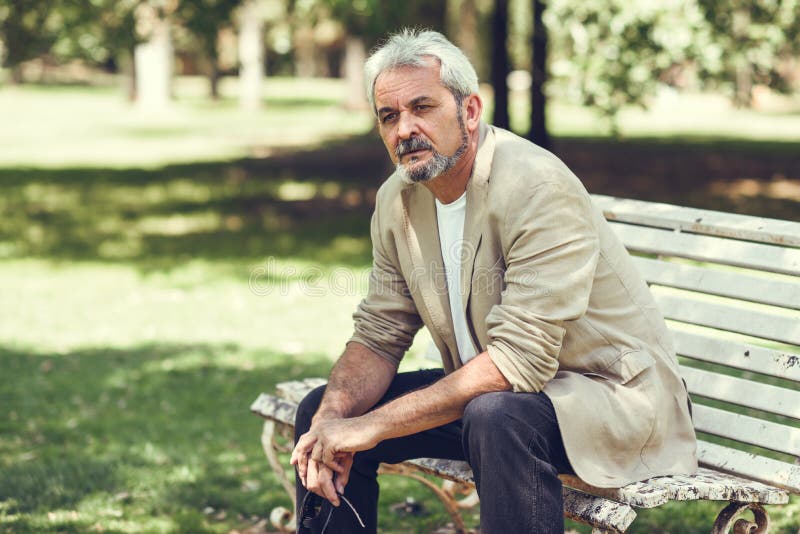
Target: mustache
pixel 410 145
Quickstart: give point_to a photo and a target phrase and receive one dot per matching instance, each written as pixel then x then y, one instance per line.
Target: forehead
pixel 405 83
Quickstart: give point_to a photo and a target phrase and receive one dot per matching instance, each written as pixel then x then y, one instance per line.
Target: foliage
pixel 203 19
pixel 751 41
pixel 373 19
pixel 28 28
pixel 100 31
pixel 614 52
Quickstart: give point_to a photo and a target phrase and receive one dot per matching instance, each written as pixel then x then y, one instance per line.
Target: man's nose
pixel 407 126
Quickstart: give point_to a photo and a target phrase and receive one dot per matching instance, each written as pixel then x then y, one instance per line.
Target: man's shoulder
pixel 390 188
pixel 518 165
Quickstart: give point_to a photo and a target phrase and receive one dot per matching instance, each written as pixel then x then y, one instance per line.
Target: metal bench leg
pixel 446 493
pixel 280 517
pixel 727 518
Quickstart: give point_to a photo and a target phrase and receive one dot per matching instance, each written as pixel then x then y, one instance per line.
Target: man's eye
pixel 388 117
pixel 422 107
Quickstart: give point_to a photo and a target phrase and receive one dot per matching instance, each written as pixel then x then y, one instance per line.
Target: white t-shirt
pixel 450 219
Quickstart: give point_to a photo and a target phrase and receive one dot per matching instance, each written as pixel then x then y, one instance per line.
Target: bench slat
pixel 277 409
pixel 712 485
pixel 296 390
pixel 722 283
pixel 746 429
pixel 779 232
pixel 768 258
pixel 766 470
pixel 739 355
pixel 743 392
pixel 705 484
pixel 781 328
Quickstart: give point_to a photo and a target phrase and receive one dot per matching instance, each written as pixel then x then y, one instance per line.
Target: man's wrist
pixel 327 414
pixel 377 424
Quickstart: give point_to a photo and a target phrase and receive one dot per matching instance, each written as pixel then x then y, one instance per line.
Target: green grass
pixel 156 275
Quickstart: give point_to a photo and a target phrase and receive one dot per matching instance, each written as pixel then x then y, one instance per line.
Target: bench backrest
pixel 729 287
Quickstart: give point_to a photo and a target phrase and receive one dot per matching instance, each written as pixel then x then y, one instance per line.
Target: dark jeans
pixel 511 441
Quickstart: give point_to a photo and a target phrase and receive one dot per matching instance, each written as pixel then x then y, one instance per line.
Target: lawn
pixel 158 271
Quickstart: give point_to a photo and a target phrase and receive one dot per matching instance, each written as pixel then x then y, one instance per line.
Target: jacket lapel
pixel 475 220
pixel 428 273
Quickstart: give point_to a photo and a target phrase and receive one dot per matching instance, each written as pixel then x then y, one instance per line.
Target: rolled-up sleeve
pixel 386 321
pixel 551 248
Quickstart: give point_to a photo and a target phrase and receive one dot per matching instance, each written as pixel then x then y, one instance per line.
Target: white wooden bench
pixel 729 286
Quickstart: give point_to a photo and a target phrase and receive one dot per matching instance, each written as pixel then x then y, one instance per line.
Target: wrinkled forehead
pixel 405 79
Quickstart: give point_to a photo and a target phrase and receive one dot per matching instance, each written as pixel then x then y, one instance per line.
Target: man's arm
pixel 419 410
pixel 357 382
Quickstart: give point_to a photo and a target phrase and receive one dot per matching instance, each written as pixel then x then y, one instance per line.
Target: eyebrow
pixel 413 102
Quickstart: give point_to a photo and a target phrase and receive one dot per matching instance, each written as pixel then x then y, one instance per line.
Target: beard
pixel 438 163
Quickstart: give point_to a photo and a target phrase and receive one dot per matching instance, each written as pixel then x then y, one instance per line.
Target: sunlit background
pixel 185 193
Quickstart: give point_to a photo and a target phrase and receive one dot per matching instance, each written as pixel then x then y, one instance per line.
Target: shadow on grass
pixel 308 209
pixel 154 434
pixel 314 205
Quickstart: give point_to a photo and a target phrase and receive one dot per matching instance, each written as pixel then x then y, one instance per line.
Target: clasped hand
pixel 324 454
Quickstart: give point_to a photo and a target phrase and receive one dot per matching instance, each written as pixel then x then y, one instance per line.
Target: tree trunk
pixel 16 75
pixel 466 31
pixel 538 128
pixel 304 53
pixel 127 73
pixel 744 70
pixel 251 56
pixel 153 63
pixel 213 78
pixel 432 14
pixel 355 53
pixel 500 65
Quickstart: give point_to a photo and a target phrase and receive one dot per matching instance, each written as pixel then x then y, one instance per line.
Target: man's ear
pixel 473 111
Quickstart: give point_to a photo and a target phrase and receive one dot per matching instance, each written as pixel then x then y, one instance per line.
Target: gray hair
pixel 412 48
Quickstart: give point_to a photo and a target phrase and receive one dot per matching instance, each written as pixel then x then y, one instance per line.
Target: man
pixel 555 356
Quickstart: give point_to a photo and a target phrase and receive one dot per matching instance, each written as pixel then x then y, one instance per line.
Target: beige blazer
pixel 553 296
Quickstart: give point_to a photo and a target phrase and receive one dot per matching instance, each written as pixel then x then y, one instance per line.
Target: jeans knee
pixel 306 410
pixel 484 411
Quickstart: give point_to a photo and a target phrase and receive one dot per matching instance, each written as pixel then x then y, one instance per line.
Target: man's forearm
pixel 439 403
pixel 357 382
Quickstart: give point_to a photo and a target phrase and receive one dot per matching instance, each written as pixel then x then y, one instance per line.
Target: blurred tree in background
pixel 205 19
pixel 606 54
pixel 751 42
pixel 611 53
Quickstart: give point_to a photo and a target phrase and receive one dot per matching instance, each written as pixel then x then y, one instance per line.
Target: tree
pixel 251 55
pixel 364 24
pixel 464 26
pixel 500 63
pixel 749 41
pixel 538 124
pixel 28 29
pixel 204 19
pixel 613 52
pixel 153 56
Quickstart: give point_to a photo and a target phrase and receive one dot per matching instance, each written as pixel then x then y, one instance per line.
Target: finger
pixel 301 448
pixel 302 468
pixel 343 477
pixel 325 481
pixel 313 478
pixel 329 459
pixel 317 452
